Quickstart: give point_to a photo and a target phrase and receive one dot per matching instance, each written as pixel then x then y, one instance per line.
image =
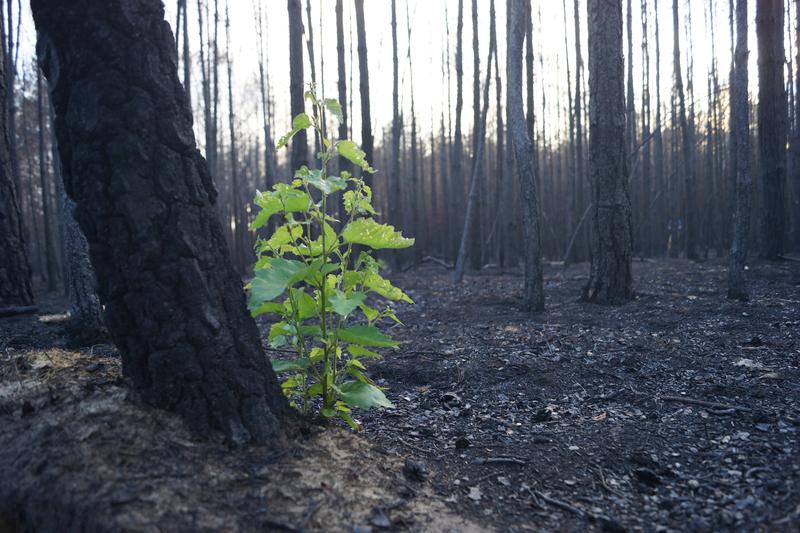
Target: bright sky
pixel 429 20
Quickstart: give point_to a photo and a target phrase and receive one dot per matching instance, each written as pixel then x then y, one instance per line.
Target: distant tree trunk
pixel 187 57
pixel 630 108
pixel 795 176
pixel 645 208
pixel 771 125
pixel 299 155
pixel 145 201
pixel 271 166
pixel 415 196
pixel 49 244
pixel 686 142
pixel 610 279
pixel 456 177
pixel 238 216
pixel 580 172
pixel 523 151
pixel 363 87
pixel 396 199
pixel 571 211
pixel 740 116
pixel 498 212
pixel 11 99
pixel 660 214
pixel 15 270
pixel 477 161
pixel 312 63
pixel 342 85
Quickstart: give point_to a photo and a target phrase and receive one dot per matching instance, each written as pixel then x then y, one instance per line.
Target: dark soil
pixel 585 415
pixel 581 417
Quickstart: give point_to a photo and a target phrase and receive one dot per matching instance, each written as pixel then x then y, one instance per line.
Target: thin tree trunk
pixel 49 244
pixel 456 177
pixel 523 151
pixel 660 213
pixel 610 279
pixel 686 142
pixel 312 63
pixel 771 125
pixel 646 235
pixel 299 142
pixel 580 172
pixel 344 165
pixel 396 199
pixel 238 216
pixel 271 167
pixel 472 198
pixel 740 116
pixel 174 303
pixel 363 88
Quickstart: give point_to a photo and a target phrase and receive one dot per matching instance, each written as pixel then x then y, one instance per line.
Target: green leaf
pixel 359 203
pixel 283 235
pixel 300 122
pixel 349 420
pixel 267 307
pixel 359 351
pixel 333 106
pixel 350 150
pixel 270 282
pixel 327 184
pixel 290 365
pixel 369 312
pixel 284 198
pixel 376 283
pixel 344 304
pixel 377 236
pixel 364 395
pixel 367 336
pixel 306 305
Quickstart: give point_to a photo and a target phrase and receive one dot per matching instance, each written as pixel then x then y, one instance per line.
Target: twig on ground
pixel 704 403
pixel 499 460
pixel 560 504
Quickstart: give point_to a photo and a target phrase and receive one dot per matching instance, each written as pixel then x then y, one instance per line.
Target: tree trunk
pixel 456 177
pixel 344 164
pixel 363 87
pixel 610 279
pixel 580 172
pixel 686 142
pixel 523 152
pixel 396 199
pixel 795 176
pixel 740 128
pixel 472 198
pixel 646 239
pixel 15 270
pixel 271 166
pixel 771 125
pixel 49 244
pixel 660 213
pixel 145 201
pixel 299 142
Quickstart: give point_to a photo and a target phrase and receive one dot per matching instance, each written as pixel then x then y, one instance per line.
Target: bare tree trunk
pixel 740 116
pixel 238 216
pixel 15 270
pixel 658 144
pixel 396 199
pixel 523 151
pixel 299 155
pixel 344 165
pixel 771 125
pixel 145 200
pixel 472 198
pixel 271 167
pixel 312 63
pixel 686 140
pixel 49 244
pixel 363 87
pixel 456 177
pixel 416 196
pixel 500 185
pixel 795 176
pixel 610 279
pixel 580 172
pixel 646 240
pixel 630 109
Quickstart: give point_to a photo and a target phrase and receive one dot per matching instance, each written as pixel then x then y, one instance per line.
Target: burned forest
pixel 350 266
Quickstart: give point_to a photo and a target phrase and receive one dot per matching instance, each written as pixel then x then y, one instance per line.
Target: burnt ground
pixel 677 411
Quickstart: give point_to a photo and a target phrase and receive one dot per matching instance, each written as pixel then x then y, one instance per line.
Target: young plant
pixel 314 272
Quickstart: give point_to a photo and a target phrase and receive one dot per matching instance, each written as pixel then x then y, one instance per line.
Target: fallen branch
pixel 18 310
pixel 498 460
pixel 560 504
pixel 704 403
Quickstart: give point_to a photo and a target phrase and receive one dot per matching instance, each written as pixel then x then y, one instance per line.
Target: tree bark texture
pixel 743 184
pixel 523 152
pixel 772 112
pixel 299 142
pixel 363 88
pixel 610 279
pixel 145 201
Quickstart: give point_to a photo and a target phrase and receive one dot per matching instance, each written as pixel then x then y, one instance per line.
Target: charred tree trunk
pixel 771 125
pixel 523 152
pixel 457 153
pixel 740 128
pixel 580 172
pixel 396 199
pixel 271 166
pixel 363 88
pixel 660 213
pixel 49 244
pixel 344 165
pixel 145 201
pixel 610 279
pixel 15 270
pixel 299 155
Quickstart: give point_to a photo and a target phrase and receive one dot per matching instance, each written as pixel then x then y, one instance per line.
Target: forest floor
pixel 677 411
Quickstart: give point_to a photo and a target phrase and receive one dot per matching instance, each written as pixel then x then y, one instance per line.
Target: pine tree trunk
pixel 299 142
pixel 271 166
pixel 646 208
pixel 523 152
pixel 660 213
pixel 396 199
pixel 580 172
pixel 145 201
pixel 610 279
pixel 740 116
pixel 457 153
pixel 363 88
pixel 771 125
pixel 344 165
pixel 15 271
pixel 49 244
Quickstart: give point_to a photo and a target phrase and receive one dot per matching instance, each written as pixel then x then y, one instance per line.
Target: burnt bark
pixel 610 279
pixel 523 152
pixel 299 142
pixel 145 201
pixel 743 184
pixel 772 112
pixel 367 141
